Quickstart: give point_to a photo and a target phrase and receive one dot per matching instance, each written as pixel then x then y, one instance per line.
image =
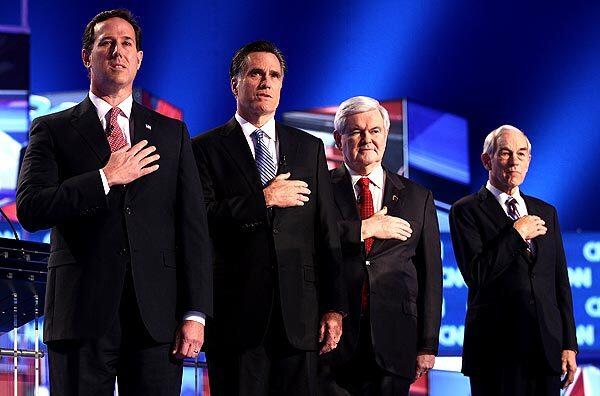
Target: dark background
pixel 532 64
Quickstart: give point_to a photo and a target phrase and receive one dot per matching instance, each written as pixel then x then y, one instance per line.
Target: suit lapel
pixel 540 241
pixel 287 149
pixel 287 159
pixel 394 197
pixel 86 123
pixel 140 129
pixel 343 194
pixel 141 125
pixel 235 144
pixel 492 208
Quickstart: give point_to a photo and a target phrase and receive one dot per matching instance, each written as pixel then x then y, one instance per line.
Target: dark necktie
pixel 263 158
pixel 512 208
pixel 114 133
pixel 365 206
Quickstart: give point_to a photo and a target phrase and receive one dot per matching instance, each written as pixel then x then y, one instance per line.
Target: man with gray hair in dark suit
pixel 519 328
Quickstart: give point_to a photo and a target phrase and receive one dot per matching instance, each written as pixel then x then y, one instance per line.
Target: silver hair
pixel 490 146
pixel 357 105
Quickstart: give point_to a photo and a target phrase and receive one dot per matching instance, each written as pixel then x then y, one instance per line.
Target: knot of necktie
pixel 363 183
pixel 258 134
pixel 512 207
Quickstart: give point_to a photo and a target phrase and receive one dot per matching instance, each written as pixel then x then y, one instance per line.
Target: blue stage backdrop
pixel 523 63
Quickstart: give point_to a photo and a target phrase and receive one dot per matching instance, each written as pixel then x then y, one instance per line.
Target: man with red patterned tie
pixel 519 327
pixel 390 242
pixel 129 276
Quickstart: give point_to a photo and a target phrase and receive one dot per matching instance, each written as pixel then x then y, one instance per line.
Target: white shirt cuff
pixel 104 182
pixel 195 316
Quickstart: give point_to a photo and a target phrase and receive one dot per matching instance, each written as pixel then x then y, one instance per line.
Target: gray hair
pixel 357 105
pixel 490 146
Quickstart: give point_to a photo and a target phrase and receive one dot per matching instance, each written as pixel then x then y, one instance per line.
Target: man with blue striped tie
pixel 279 296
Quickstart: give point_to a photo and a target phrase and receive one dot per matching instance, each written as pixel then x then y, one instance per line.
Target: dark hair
pixel 239 59
pixel 87 41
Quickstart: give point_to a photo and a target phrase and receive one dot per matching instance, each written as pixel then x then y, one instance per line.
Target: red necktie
pixel 365 206
pixel 114 133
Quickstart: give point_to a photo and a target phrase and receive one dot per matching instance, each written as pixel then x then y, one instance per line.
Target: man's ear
pixel 140 56
pixel 338 139
pixel 234 86
pixel 85 57
pixel 485 160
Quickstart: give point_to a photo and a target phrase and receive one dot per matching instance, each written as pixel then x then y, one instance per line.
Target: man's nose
pixel 116 50
pixel 366 137
pixel 265 83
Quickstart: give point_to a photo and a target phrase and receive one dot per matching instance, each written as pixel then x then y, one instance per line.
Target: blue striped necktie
pixel 264 160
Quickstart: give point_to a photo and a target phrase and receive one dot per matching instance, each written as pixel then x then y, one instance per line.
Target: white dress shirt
pixel 270 137
pixel 377 181
pixel 102 109
pixel 501 197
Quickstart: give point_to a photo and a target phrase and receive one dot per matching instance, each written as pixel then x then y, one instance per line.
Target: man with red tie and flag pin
pixel 392 264
pixel 129 276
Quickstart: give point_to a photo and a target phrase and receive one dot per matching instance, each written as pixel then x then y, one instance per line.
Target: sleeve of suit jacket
pixel 193 240
pixel 428 262
pixel 332 289
pixel 480 263
pixel 43 199
pixel 563 291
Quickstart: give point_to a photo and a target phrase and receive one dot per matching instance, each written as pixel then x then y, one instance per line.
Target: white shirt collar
pixel 103 107
pixel 248 128
pixel 376 176
pixel 501 196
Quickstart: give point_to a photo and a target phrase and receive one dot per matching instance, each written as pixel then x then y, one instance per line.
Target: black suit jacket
pixel 162 218
pixel 405 278
pixel 514 302
pixel 288 253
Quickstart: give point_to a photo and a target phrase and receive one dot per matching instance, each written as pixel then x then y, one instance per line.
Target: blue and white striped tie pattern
pixel 263 158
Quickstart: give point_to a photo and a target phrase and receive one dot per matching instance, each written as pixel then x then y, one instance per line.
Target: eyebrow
pixel 256 70
pixel 518 150
pixel 110 37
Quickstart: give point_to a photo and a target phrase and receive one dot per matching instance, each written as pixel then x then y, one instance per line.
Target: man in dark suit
pixel 130 266
pixel 519 330
pixel 277 253
pixel 392 264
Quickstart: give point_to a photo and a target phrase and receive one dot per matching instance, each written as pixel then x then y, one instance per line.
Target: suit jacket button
pixel 367 263
pixel 128 210
pixel 531 301
pixel 275 231
pixel 533 275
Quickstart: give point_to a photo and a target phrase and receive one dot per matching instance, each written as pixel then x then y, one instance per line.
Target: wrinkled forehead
pixel 262 60
pixel 114 27
pixel 367 119
pixel 512 138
